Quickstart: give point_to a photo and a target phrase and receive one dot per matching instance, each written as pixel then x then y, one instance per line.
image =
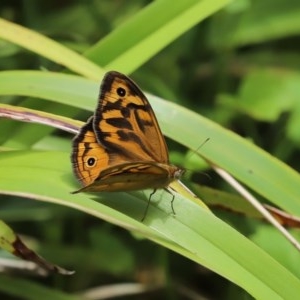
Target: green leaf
pixel 265 174
pixel 25 289
pixel 193 231
pixel 265 94
pixel 259 21
pixel 172 18
pixel 42 45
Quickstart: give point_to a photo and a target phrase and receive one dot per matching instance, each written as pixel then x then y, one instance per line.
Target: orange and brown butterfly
pixel 121 147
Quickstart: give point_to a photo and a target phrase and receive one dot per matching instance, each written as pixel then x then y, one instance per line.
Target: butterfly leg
pixel 169 190
pixel 149 200
pixel 172 202
pixel 146 210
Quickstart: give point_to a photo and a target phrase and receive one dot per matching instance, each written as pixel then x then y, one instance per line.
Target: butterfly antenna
pixel 199 147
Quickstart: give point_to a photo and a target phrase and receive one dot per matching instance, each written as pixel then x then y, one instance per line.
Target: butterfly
pixel 121 147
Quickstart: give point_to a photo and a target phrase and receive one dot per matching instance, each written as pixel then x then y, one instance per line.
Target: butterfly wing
pixel 124 121
pixel 121 147
pixel 130 177
pixel 88 157
pixel 91 165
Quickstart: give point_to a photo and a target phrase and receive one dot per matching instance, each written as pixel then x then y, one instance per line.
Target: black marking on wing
pixel 133 107
pixel 76 141
pixel 106 84
pixel 125 112
pixel 141 122
pixel 80 136
pixel 111 105
pixel 119 123
pixel 87 127
pixel 129 136
pixel 134 89
pixel 121 92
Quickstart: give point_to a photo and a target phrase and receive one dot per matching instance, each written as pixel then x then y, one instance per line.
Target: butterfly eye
pixel 121 92
pixel 91 161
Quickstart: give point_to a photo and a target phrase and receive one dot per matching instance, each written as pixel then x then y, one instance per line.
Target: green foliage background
pixel 238 68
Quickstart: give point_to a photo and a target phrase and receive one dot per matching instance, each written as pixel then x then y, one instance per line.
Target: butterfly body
pixel 121 147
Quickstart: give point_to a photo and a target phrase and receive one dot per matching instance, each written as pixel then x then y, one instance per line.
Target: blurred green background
pixel 239 67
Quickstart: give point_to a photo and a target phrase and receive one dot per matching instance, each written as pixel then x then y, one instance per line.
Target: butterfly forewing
pixel 126 122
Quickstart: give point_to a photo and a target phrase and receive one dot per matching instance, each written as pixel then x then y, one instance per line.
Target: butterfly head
pixel 178 173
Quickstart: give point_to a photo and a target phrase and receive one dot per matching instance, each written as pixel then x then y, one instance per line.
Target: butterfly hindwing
pixel 129 177
pixel 88 156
